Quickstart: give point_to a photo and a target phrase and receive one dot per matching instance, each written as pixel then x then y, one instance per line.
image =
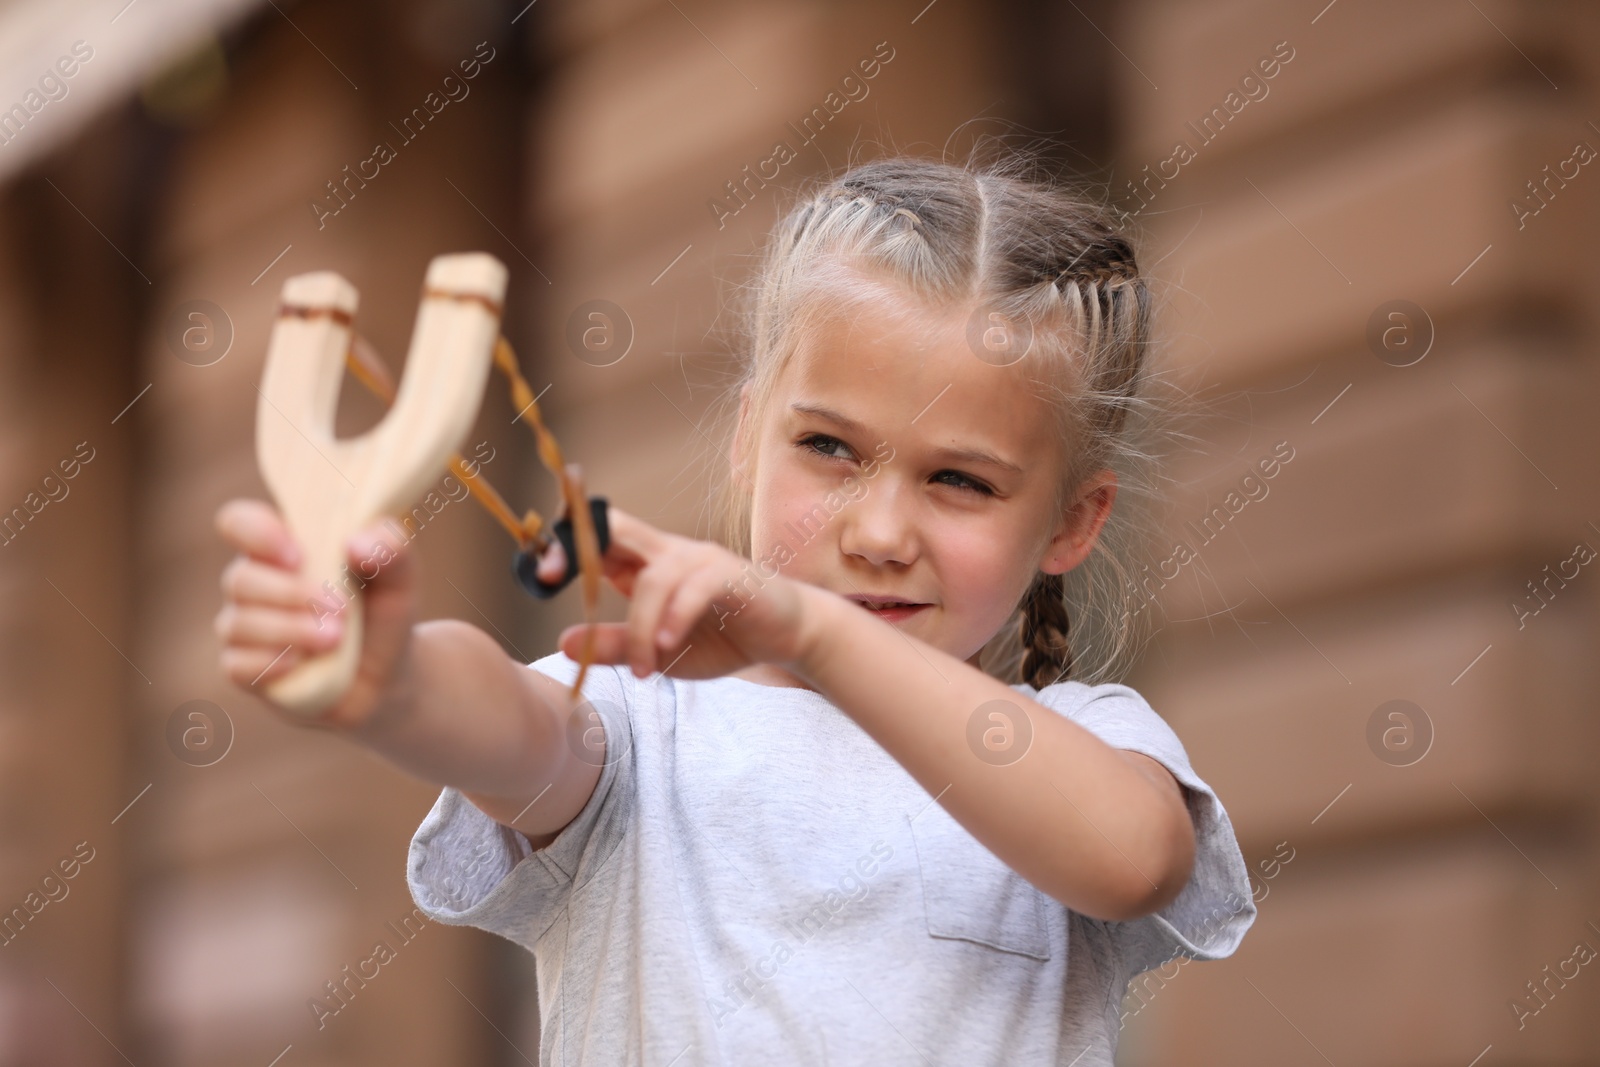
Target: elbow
pixel 1164 870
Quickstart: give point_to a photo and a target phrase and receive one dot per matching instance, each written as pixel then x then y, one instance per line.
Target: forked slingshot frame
pixel 328 488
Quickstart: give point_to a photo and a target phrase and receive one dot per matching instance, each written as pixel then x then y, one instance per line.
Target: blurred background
pixel 1374 227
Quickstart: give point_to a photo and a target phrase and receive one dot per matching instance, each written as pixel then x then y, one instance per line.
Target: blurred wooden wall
pixel 69 656
pixel 1426 886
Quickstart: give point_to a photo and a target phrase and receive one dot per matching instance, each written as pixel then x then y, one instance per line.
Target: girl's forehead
pixel 892 356
pixel 894 374
pixel 878 328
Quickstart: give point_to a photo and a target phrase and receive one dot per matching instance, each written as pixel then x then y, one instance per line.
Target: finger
pixel 632 545
pixel 255 528
pixel 622 576
pixel 259 666
pixel 629 531
pixel 692 600
pixel 246 625
pixel 656 585
pixel 610 642
pixel 382 560
pixel 633 538
pixel 247 580
pixel 553 564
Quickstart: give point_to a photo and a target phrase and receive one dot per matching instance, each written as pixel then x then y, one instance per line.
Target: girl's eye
pixel 822 443
pixel 969 484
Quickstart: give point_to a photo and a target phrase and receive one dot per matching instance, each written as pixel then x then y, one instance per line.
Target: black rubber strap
pixel 525 564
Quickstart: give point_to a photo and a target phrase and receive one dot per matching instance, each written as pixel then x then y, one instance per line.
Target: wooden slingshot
pixel 328 488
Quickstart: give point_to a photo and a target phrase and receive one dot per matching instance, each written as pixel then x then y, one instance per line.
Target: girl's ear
pixel 1080 524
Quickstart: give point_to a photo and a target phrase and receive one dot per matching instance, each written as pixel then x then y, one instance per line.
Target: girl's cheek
pixel 972 560
pixel 976 572
pixel 784 526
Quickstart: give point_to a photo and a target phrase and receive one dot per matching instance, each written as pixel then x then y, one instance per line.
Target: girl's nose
pixel 880 526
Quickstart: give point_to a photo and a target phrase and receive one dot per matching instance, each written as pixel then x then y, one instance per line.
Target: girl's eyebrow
pixel 979 456
pixel 830 415
pixel 969 455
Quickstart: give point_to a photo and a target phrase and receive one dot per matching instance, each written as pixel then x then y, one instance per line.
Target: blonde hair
pixel 1038 252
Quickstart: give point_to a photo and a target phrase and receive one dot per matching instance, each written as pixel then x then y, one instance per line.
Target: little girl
pixel 794 821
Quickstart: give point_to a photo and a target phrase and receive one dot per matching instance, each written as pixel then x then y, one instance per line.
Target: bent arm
pixel 1102 830
pixel 468 716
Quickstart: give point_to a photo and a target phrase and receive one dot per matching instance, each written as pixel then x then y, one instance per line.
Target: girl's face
pixel 894 463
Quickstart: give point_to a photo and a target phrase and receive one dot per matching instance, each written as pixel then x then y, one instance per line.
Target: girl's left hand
pixel 683 614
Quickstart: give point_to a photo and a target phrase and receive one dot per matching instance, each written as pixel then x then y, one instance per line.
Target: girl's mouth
pixel 888 609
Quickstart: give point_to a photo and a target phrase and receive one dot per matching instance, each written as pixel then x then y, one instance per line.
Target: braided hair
pixel 1046 651
pixel 1035 251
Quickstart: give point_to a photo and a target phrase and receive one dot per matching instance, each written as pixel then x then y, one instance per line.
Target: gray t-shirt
pixel 755 880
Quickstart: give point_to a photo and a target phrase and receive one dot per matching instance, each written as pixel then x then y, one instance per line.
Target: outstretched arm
pixel 469 716
pixel 438 699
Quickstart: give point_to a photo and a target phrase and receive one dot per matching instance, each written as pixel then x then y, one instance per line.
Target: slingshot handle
pixel 328 487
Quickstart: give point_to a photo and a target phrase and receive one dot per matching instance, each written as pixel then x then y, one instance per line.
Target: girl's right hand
pixel 273 618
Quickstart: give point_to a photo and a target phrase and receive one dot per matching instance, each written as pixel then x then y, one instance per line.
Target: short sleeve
pixel 1208 919
pixel 466 869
